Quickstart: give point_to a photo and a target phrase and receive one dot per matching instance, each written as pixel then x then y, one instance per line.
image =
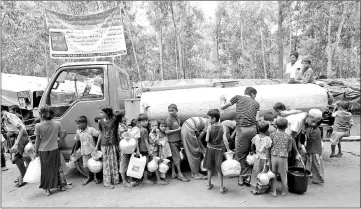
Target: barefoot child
pixel 124 159
pixel 314 161
pixel 281 146
pixel 341 127
pixel 86 135
pixel 216 143
pixel 164 147
pixel 108 140
pixel 173 133
pixel 261 145
pixel 154 146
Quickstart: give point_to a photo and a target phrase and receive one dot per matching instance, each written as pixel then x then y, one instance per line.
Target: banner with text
pixel 88 36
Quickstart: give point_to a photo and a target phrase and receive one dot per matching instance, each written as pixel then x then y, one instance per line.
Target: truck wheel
pixel 79 166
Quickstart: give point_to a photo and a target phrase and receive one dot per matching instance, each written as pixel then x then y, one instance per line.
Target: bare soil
pixel 341 189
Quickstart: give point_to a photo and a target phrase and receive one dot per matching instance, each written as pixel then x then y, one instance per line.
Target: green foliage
pixel 225 46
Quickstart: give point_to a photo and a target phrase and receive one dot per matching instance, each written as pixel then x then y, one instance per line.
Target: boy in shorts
pixel 87 137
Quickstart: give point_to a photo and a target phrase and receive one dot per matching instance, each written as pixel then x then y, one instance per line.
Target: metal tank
pixel 197 101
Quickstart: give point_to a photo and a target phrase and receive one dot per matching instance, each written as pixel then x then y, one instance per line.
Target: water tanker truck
pixel 81 88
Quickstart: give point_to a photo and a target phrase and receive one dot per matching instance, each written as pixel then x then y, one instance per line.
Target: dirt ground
pixel 341 189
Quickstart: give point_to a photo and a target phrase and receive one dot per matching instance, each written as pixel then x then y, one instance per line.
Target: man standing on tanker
pixel 247 110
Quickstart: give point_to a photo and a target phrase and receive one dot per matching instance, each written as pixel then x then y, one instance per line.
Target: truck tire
pixel 79 167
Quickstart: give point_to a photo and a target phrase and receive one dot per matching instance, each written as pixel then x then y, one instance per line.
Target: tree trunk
pixel 291 38
pixel 217 43
pixel 178 39
pixel 161 53
pixel 263 55
pixel 329 54
pixel 251 69
pixel 333 47
pixel 279 38
pixel 176 57
pixel 242 43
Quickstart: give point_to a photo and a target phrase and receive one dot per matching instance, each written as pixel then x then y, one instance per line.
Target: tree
pixel 279 37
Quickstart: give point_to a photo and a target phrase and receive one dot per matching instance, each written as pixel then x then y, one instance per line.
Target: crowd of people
pixel 278 140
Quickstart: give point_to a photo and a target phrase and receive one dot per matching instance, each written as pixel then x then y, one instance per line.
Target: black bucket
pixel 297 180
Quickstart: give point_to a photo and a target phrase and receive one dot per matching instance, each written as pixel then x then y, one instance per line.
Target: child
pixel 269 117
pixel 281 146
pixel 164 147
pixel 86 135
pixel 153 138
pixel 124 159
pixel 153 146
pixel 314 161
pixel 261 144
pixel 108 139
pixel 231 132
pixel 341 127
pixel 173 133
pixel 143 145
pixel 46 147
pixel 216 142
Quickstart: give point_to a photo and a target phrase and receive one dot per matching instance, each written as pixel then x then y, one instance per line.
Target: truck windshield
pixel 76 85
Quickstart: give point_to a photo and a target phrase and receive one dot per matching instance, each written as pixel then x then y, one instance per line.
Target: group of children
pixel 154 139
pixel 271 145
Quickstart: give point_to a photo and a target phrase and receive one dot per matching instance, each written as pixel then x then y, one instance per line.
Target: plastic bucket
pixel 297 180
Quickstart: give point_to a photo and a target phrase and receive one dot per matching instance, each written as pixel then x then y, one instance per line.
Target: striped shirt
pixel 246 110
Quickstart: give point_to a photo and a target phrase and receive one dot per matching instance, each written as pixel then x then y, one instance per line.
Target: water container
pixel 297 180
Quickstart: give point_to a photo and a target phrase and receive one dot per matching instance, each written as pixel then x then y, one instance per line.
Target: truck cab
pixel 82 88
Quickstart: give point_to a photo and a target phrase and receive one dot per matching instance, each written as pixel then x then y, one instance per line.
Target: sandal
pixel 129 185
pixel 224 190
pixel 66 188
pixel 184 179
pixel 109 186
pixel 162 182
pixel 20 184
pixel 200 177
pixel 210 186
pixel 87 181
pixel 97 181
